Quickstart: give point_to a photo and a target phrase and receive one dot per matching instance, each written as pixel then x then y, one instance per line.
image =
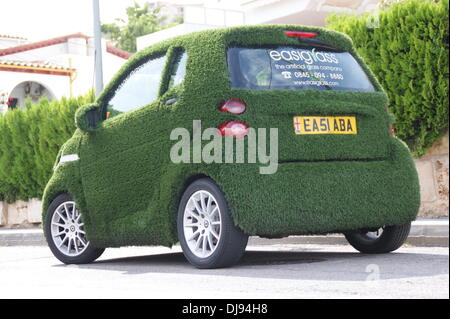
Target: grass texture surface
pixel 128 189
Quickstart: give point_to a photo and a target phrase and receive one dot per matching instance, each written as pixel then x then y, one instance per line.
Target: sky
pixel 44 19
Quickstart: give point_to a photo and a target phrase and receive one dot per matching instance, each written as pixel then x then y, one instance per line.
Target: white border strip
pixel 69 158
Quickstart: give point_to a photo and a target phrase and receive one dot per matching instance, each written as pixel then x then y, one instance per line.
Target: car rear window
pixel 296 68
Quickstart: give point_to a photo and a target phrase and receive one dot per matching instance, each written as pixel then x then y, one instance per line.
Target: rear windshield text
pixel 296 68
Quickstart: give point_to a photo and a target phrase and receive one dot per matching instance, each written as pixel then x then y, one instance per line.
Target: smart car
pixel 121 180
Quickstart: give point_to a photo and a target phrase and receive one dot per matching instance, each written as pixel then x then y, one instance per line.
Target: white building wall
pixel 84 66
pixel 77 53
pixel 57 84
pixel 277 10
pixel 41 54
pixel 185 28
pixel 6 42
pixel 111 64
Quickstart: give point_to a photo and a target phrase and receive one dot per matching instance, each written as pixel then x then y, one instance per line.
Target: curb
pixel 424 232
pixel 420 241
pixel 22 237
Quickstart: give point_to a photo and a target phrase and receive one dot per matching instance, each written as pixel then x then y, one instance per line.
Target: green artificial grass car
pixel 136 172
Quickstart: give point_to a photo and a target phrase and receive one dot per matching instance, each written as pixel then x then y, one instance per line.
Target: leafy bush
pixel 29 142
pixel 406 45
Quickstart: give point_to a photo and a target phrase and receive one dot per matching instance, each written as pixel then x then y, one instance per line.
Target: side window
pixel 140 88
pixel 179 69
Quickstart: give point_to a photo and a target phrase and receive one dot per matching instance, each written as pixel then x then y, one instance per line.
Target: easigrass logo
pixel 307 56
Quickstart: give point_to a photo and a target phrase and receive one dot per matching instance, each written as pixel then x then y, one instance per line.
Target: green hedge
pixel 29 142
pixel 406 46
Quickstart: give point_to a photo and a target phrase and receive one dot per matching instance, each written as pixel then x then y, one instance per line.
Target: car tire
pixel 65 235
pixel 379 241
pixel 206 230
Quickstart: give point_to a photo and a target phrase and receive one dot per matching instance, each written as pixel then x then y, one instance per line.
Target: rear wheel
pixel 206 230
pixel 378 241
pixel 65 234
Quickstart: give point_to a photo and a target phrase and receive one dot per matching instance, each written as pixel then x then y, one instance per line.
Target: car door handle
pixel 171 101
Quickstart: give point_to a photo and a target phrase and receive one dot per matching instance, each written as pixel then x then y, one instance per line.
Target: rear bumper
pixel 323 197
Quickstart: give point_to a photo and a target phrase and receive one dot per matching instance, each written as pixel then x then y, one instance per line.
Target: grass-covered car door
pixel 119 159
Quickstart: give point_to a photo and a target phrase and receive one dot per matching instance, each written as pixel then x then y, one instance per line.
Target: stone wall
pixel 433 175
pixel 20 213
pixel 2 215
pixel 432 169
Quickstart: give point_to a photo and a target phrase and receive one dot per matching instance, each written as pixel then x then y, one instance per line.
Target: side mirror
pixel 87 117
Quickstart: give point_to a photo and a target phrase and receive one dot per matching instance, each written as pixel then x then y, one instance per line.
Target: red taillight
pixel 234 128
pixel 234 106
pixel 300 34
pixel 391 130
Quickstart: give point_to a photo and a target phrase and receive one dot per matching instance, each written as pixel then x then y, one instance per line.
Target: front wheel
pixel 379 241
pixel 206 230
pixel 65 234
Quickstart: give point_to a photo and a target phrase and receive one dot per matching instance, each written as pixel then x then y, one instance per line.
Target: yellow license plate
pixel 325 125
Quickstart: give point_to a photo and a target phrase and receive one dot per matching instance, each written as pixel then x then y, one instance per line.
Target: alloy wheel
pixel 67 230
pixel 202 224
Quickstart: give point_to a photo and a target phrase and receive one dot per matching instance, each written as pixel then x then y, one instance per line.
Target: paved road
pixel 276 271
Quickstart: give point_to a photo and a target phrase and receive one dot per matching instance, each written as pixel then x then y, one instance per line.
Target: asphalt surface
pixel 275 271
